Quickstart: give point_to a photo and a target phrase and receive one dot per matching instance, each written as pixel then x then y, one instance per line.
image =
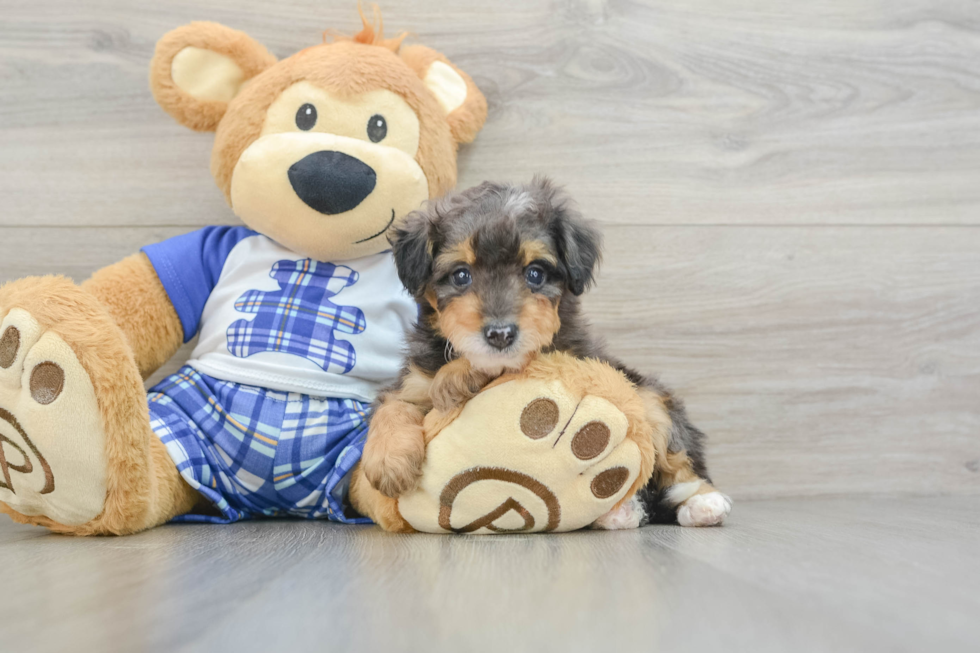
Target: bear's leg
pixel 76 451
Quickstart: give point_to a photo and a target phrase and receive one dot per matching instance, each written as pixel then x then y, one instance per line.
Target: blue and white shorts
pixel 257 452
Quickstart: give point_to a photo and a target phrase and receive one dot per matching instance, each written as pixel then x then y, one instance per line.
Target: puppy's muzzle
pixel 500 336
pixel 332 182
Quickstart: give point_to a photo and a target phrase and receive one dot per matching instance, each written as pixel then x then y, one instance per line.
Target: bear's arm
pixel 134 296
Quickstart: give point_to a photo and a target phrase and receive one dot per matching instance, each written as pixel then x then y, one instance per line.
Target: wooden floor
pixel 784 575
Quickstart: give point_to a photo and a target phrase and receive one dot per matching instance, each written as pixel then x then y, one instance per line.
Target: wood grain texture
pixel 827 359
pixel 656 112
pixel 788 575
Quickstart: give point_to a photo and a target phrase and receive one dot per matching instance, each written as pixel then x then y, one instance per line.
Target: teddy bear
pixel 300 318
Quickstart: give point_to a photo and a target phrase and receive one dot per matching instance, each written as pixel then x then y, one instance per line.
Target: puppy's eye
pixel 306 117
pixel 461 277
pixel 377 128
pixel 535 276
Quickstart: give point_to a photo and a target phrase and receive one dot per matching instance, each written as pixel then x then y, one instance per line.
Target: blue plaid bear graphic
pixel 299 318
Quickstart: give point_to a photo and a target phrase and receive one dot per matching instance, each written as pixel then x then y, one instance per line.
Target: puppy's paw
pixel 455 384
pixel 393 465
pixel 708 509
pixel 629 515
pixel 448 396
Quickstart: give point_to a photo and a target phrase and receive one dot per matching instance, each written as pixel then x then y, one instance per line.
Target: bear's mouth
pixel 364 240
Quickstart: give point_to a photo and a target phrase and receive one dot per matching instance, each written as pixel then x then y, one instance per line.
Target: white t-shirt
pixel 270 318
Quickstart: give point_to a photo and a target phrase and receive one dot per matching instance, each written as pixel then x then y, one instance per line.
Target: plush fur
pixel 465 122
pixel 144 488
pixel 250 55
pixel 134 297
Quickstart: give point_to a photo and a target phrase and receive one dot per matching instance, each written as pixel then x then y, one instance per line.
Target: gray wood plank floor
pixel 785 575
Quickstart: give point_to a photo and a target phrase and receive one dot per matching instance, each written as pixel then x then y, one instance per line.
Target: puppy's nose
pixel 332 182
pixel 500 337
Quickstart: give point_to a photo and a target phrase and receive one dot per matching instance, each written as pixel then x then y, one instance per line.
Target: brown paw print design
pixel 548 461
pixel 52 444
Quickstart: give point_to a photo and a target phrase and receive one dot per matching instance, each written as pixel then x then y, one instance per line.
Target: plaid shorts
pixel 255 452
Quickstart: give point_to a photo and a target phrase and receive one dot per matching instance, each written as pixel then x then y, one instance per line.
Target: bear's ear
pixel 464 104
pixel 197 69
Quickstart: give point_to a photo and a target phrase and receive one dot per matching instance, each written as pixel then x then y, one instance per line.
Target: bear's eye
pixel 377 128
pixel 306 117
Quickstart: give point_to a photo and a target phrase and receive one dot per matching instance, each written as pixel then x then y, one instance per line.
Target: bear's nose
pixel 332 182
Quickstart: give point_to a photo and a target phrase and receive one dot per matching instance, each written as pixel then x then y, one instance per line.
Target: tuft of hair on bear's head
pixel 372 32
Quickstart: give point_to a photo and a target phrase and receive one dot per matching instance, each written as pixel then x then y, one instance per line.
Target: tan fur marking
pixel 415 388
pixel 535 250
pixel 395 448
pixel 430 296
pixel 462 317
pixel 538 321
pixel 673 467
pixel 460 253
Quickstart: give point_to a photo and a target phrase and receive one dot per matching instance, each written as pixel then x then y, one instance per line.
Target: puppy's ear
pixel 411 245
pixel 199 68
pixel 578 240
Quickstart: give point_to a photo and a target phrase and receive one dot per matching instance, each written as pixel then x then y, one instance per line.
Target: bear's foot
pixel 76 451
pixel 52 441
pixel 528 455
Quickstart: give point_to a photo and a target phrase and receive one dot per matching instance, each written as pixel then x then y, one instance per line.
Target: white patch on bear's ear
pixel 206 75
pixel 447 85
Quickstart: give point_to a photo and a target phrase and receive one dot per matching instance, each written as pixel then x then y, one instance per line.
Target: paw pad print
pixel 539 419
pixel 52 442
pixel 524 456
pixel 299 318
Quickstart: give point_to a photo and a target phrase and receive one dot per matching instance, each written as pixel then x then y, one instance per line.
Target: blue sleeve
pixel 189 267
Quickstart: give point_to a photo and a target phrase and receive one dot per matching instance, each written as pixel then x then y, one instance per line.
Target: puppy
pixel 498 271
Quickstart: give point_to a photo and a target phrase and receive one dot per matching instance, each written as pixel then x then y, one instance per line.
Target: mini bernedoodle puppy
pixel 498 271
